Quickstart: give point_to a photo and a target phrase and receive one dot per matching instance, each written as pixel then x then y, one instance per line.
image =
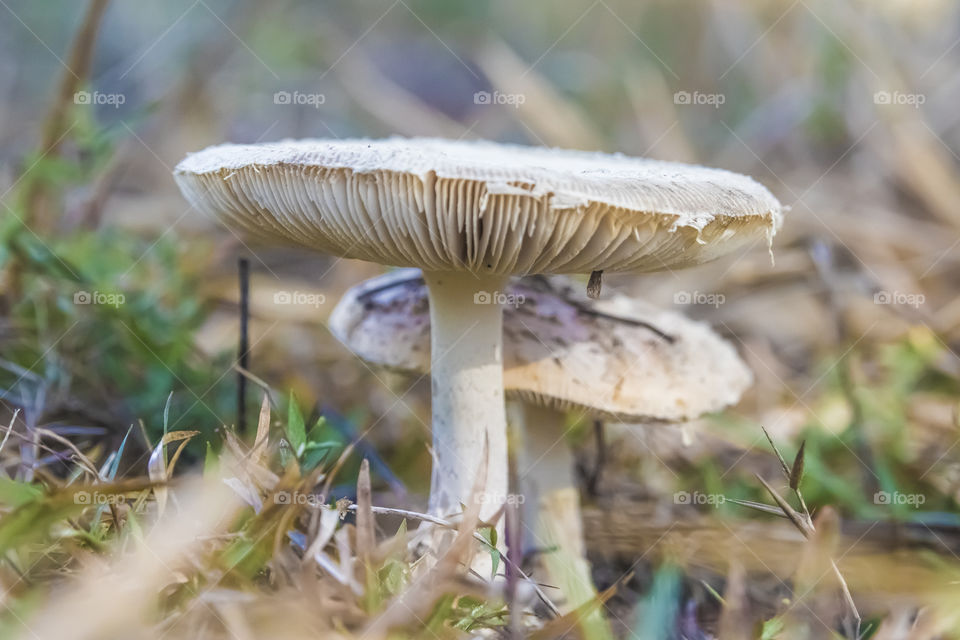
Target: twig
pixel 588 311
pixel 513 525
pixel 83 460
pixel 586 308
pixel 259 382
pixel 6 436
pixel 848 599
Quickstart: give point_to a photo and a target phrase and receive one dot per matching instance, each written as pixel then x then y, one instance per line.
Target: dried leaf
pixel 346 559
pixel 157 464
pixel 247 493
pixel 79 456
pixel 263 423
pixel 329 517
pixel 176 456
pixel 365 533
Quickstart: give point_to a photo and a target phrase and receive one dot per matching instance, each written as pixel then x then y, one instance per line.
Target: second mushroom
pixel 617 359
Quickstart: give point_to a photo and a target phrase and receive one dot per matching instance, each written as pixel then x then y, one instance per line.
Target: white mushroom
pixel 470 214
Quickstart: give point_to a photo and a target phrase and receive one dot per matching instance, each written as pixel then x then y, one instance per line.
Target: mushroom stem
pixel 467 391
pixel 547 463
pixel 552 511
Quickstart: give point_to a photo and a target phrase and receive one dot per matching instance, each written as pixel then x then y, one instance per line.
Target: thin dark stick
pixel 515 557
pixel 569 297
pixel 244 347
pixel 513 528
pixel 585 310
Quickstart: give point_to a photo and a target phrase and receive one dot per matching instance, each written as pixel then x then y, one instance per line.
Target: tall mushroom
pixel 470 214
pixel 618 358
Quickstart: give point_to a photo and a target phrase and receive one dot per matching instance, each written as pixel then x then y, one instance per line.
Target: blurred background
pixel 118 300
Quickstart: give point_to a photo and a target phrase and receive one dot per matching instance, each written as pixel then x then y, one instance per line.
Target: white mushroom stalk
pixel 467 391
pixel 551 510
pixel 546 464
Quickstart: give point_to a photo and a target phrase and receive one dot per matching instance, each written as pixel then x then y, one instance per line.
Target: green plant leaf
pixel 319 430
pixel 441 612
pixel 210 461
pixel 393 577
pixel 296 429
pixel 771 629
pixel 490 535
pixel 15 494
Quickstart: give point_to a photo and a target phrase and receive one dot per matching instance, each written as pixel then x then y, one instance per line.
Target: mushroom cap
pixel 559 352
pixel 479 206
